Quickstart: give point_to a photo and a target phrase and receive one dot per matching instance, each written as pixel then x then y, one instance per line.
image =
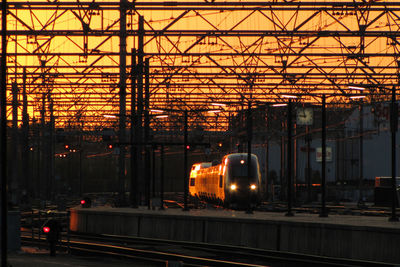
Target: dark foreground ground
pixel 34 257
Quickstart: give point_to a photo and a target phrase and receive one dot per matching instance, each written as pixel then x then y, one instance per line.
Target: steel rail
pixel 102 249
pixel 227 255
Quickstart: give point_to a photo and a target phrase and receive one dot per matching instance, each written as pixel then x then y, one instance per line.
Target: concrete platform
pixel 343 236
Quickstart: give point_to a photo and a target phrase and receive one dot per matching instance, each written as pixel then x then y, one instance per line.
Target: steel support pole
pixel 147 131
pixel 361 161
pixel 308 141
pixel 139 114
pixel 289 160
pixel 162 178
pixel 134 166
pixel 81 182
pixel 3 133
pixel 185 162
pixel 282 162
pixel 37 166
pixel 28 185
pixel 268 184
pixel 50 151
pixel 14 183
pixel 323 212
pixel 294 160
pixel 393 127
pixel 43 170
pixel 249 141
pixel 122 101
pixel 153 173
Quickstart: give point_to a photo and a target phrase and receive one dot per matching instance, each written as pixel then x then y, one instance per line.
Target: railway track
pixel 158 252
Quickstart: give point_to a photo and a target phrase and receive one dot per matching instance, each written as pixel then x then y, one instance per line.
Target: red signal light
pixel 46 229
pixel 187 147
pixel 66 146
pixel 86 202
pixel 110 146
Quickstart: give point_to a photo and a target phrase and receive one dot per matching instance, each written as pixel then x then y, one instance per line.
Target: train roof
pixel 239 155
pixel 202 164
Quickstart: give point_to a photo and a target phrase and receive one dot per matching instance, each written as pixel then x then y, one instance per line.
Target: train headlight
pixel 233 187
pixel 253 187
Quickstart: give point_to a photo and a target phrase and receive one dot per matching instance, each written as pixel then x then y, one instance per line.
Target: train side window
pixel 220 181
pixel 192 181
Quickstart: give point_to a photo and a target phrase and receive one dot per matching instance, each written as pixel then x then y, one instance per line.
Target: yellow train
pixel 227 182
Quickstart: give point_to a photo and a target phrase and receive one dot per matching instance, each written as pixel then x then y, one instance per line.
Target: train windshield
pixel 238 169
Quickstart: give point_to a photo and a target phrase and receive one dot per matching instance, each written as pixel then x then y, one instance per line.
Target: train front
pixel 242 187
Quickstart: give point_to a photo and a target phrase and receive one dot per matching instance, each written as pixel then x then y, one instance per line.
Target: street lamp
pixel 157 110
pixel 161 116
pixel 357 96
pixel 280 105
pixel 110 116
pixel 359 88
pixel 218 104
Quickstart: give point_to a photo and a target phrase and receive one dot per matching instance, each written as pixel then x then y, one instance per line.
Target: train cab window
pixel 220 181
pixel 192 181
